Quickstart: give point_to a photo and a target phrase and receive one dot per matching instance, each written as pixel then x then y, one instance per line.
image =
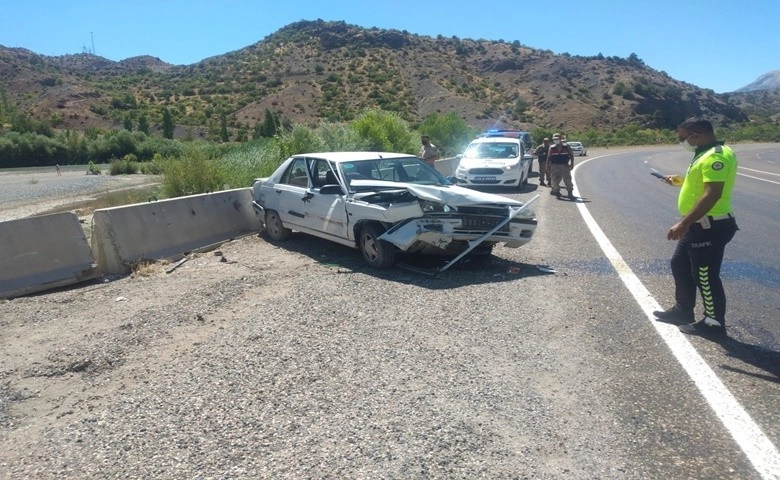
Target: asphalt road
pixel 634 210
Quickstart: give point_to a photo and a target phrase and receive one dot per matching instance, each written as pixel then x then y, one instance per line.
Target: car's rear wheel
pixel 377 253
pixel 274 228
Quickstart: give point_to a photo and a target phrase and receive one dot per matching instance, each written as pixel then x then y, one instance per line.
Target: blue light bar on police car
pixel 501 133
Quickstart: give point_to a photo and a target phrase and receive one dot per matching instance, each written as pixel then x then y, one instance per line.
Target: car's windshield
pixel 407 170
pixel 491 150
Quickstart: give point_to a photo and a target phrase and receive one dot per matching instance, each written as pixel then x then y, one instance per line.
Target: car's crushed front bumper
pixel 465 225
pixel 259 212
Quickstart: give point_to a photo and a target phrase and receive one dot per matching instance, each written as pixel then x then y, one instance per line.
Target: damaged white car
pixel 386 204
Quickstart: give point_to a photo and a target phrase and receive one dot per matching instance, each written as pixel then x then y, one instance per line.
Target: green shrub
pixel 191 174
pixel 385 132
pixel 93 169
pixel 449 132
pixel 128 165
pixel 151 168
pixel 252 160
pixel 299 139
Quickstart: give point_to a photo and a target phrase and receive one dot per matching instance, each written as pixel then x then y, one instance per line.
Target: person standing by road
pixel 707 225
pixel 561 163
pixel 428 152
pixel 541 155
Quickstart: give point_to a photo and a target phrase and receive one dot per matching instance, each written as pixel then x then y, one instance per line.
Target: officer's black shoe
pixel 571 197
pixel 708 327
pixel 674 316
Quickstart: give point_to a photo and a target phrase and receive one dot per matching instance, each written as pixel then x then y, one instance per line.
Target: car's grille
pixel 485 182
pixel 485 171
pixel 475 223
pixel 490 211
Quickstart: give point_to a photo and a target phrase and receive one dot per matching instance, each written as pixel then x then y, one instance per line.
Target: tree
pixel 257 132
pixel 167 124
pixel 223 131
pixel 143 124
pixel 270 125
pixel 634 59
pixel 449 132
pixel 128 123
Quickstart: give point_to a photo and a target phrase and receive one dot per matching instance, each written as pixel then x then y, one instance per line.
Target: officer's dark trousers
pixel 696 263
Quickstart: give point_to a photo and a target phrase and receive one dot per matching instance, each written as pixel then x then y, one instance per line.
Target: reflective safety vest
pixel 716 164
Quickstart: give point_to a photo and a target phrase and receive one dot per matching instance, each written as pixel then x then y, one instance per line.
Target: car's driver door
pixel 325 211
pixel 291 191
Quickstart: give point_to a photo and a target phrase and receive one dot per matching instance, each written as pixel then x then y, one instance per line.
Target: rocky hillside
pixel 312 71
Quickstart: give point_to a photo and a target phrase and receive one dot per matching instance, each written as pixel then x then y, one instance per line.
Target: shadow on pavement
pixel 762 358
pixel 415 269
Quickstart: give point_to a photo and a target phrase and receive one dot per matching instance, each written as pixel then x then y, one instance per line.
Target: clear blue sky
pixel 717 44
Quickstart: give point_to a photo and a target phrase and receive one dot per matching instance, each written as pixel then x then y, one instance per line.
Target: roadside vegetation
pixel 198 166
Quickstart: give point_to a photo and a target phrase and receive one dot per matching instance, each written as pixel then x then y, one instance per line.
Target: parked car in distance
pixel 577 148
pixel 386 204
pixel 494 161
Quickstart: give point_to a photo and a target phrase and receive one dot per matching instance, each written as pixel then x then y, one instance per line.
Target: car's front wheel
pixel 274 228
pixel 377 253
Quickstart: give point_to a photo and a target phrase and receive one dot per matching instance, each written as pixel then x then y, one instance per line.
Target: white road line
pixel 759 449
pixel 758 178
pixel 759 171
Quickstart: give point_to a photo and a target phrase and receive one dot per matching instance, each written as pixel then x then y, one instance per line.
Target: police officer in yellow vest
pixel 707 225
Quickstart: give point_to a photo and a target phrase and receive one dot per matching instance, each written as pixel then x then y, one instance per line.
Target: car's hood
pixel 451 195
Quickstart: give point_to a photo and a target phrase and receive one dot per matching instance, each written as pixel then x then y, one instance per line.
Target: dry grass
pixel 148 268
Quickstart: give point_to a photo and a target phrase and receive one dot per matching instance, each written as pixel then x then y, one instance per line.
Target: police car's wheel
pixel 524 181
pixel 274 228
pixel 377 253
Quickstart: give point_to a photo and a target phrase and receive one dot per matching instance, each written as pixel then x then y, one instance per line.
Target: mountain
pixel 767 81
pixel 312 71
pixel 760 99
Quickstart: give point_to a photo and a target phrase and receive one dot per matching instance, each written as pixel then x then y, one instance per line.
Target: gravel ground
pixel 37 191
pixel 261 362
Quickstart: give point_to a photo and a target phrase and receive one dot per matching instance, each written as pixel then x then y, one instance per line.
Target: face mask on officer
pixel 557 141
pixel 685 143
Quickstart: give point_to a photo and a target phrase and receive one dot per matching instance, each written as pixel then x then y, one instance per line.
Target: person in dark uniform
pixel 561 163
pixel 707 225
pixel 541 155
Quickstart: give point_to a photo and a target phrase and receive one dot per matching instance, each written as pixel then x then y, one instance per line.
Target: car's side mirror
pixel 331 190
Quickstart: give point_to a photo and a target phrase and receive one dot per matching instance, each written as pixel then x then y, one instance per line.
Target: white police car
pixel 497 158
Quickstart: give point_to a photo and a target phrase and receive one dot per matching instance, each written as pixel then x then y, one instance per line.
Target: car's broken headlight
pixel 433 207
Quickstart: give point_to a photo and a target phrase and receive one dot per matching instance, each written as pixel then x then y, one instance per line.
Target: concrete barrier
pixel 39 253
pixel 447 166
pixel 169 228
